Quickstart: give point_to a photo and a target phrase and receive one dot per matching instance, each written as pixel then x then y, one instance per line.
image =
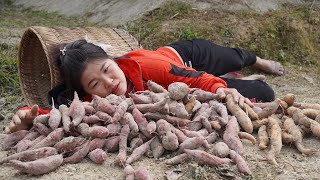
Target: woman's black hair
pixel 72 61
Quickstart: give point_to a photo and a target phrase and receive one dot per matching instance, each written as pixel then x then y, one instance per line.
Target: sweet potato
pixel 39 166
pixel 98 132
pixel 274 132
pixel 191 134
pixel 289 99
pixel 26 142
pixel 96 143
pixel 155 107
pixel 78 155
pixel 52 138
pixel 181 136
pixel 204 96
pixel 221 149
pixel 231 137
pixel 241 163
pixel 221 110
pixel 83 129
pixel 154 87
pixel 197 106
pixel 92 119
pixel 269 110
pixel 206 124
pixel 138 152
pixel 42 129
pixel 114 129
pixel 212 137
pixel 253 115
pixel 142 174
pixel 215 125
pixel 104 116
pixel 178 90
pixel 203 157
pixel 190 104
pixel 241 116
pixel 43 118
pixel 23 145
pixel 55 117
pixel 129 172
pixel 12 139
pixel 128 118
pixel 244 135
pixel 37 140
pixel 88 108
pixel 296 136
pixel 134 143
pixel 196 123
pixel 32 135
pixel 181 158
pixel 317 118
pixel 315 128
pixel 141 122
pixel 286 137
pixel 68 144
pixel 151 127
pixel 140 98
pixel 115 100
pixel 191 143
pixel 66 120
pixel 122 156
pixel 263 137
pixel 112 144
pixel 307 105
pixel 311 113
pixel 177 108
pixel 30 155
pixel 258 123
pixel 156 147
pixel 299 117
pixel 76 110
pixel 119 112
pixel 175 121
pixel 98 156
pixel 170 141
pixel 102 104
pixel 162 127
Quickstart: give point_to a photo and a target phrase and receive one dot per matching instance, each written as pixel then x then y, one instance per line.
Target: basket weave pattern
pixel 37 70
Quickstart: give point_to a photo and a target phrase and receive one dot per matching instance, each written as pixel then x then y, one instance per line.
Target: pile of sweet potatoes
pixel 190 123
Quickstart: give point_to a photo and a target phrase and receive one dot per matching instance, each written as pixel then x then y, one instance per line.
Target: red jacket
pixel 164 67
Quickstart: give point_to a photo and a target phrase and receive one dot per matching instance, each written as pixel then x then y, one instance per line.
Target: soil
pixel 305 84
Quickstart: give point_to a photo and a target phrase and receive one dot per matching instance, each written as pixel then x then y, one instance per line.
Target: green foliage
pixel 12 24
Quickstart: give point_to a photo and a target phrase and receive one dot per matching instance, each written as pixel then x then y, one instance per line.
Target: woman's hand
pixel 238 98
pixel 22 119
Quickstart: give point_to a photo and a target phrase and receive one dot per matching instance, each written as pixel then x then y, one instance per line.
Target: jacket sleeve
pixel 41 111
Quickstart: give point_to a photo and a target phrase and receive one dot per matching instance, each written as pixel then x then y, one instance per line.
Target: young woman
pixel 88 69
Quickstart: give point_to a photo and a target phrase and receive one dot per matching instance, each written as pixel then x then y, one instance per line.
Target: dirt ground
pixel 305 84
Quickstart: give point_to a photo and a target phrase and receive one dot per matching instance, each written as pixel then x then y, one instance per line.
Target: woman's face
pixel 103 77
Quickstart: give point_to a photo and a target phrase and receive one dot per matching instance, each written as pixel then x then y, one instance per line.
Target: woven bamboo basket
pixel 37 70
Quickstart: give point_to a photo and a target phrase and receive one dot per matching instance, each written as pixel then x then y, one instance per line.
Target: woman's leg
pixel 257 89
pixel 203 55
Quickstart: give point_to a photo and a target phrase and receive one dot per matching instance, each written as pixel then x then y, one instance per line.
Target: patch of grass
pixel 290 34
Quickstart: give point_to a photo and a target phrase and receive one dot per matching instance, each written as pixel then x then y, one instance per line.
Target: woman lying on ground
pixel 89 70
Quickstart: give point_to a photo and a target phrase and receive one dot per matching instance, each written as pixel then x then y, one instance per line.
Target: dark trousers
pixel 203 55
